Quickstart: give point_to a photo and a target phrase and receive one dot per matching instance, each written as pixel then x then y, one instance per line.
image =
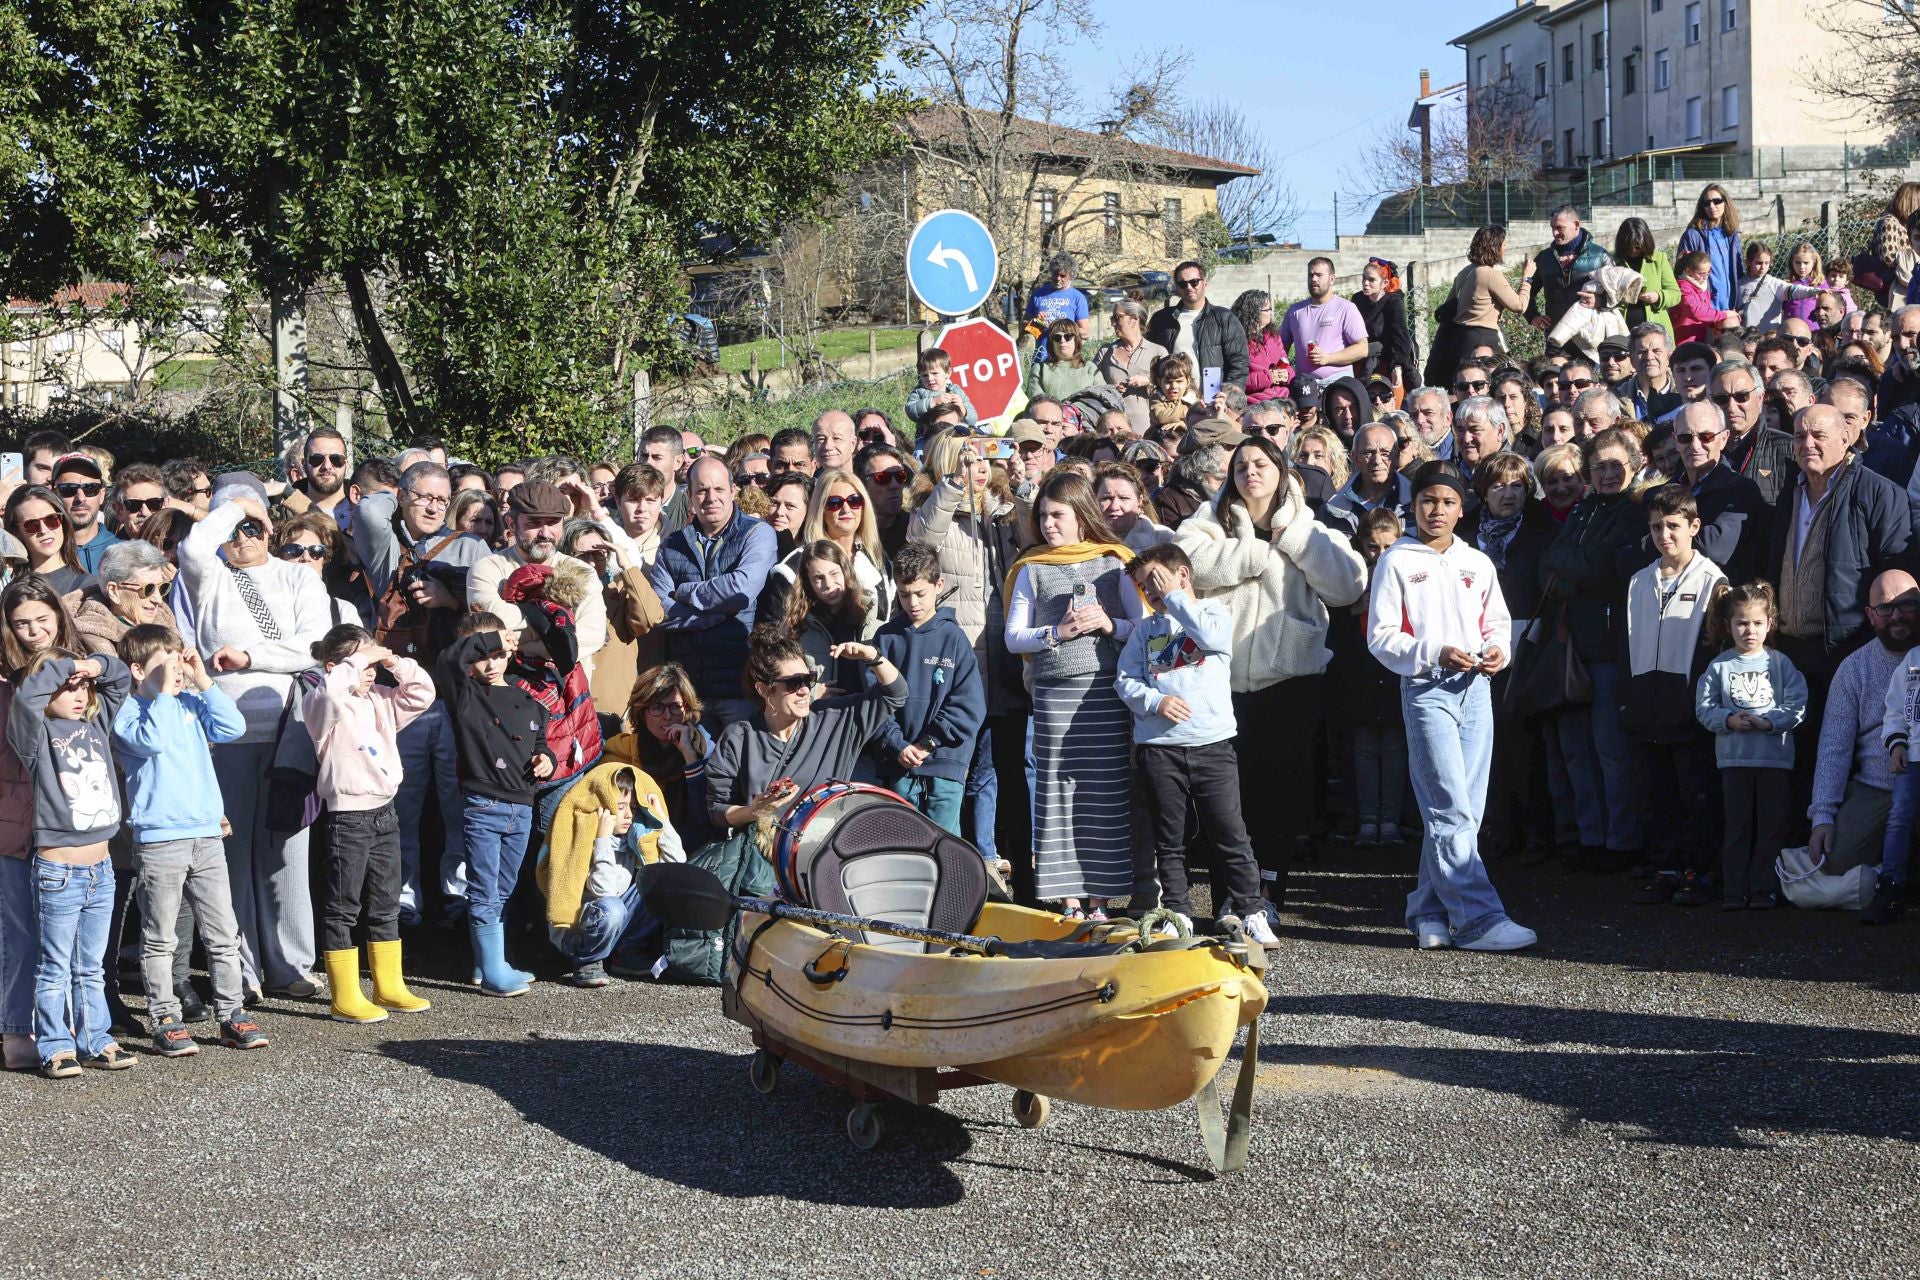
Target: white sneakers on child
pixel 1505 936
pixel 1432 935
pixel 1259 927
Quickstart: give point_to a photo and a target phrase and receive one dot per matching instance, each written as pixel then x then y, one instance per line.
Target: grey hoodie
pixel 76 795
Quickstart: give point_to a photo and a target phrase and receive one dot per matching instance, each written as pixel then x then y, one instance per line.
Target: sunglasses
pixel 74 489
pixel 1475 387
pixel 146 591
pixel 1798 341
pixel 1147 467
pixel 200 490
pixel 143 504
pixel 889 478
pixel 1724 398
pixel 849 501
pixel 873 435
pixel 1379 396
pixel 1715 200
pixel 334 460
pixel 1578 384
pixel 43 525
pixel 1704 437
pixel 1269 429
pixel 795 682
pixel 1192 282
pixel 247 529
pixel 303 551
pixel 758 479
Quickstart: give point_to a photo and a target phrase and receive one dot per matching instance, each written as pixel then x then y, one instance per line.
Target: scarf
pixel 1072 553
pixel 1494 535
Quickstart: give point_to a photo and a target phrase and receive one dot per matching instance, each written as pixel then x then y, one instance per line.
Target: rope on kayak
pixel 1153 919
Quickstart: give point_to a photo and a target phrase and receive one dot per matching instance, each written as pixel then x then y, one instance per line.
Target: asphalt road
pixel 1654 1092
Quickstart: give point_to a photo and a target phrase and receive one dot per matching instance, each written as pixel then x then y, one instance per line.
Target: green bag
pixel 698 957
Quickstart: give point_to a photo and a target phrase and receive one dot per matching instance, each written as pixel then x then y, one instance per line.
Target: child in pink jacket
pixel 356 726
pixel 1696 318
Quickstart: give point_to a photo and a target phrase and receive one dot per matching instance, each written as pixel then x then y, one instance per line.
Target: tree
pixel 1488 138
pixel 1261 205
pixel 1870 72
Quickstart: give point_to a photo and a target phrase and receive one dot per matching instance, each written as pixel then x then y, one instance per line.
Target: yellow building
pixel 96 357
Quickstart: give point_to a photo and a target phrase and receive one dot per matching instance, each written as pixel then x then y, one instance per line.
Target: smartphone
pixel 1081 594
pixel 996 448
pixel 1210 378
pixel 12 467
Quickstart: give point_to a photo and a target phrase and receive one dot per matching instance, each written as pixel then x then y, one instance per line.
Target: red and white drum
pixel 803 830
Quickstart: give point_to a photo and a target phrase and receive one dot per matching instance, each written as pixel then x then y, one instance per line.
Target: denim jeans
pixel 75 909
pixel 427 755
pixel 165 874
pixel 266 872
pixel 1450 746
pixel 605 925
pixel 982 796
pixel 495 832
pixel 938 798
pixel 1379 771
pixel 362 875
pixel 1897 851
pixel 1617 759
pixel 19 946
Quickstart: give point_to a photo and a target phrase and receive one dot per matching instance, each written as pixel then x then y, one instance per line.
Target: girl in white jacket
pixel 1438 620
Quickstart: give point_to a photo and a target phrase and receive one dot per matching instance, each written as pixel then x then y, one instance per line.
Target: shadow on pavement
pixel 1684 1080
pixel 689 1116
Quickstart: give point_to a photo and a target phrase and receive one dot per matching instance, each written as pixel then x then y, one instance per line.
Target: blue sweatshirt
pixel 1765 685
pixel 946 696
pixel 1184 651
pixel 171 791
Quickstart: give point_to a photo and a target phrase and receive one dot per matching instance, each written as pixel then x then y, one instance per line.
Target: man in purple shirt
pixel 1325 333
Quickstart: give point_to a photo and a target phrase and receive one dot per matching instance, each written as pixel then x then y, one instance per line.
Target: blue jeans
pixel 606 925
pixel 75 908
pixel 1897 851
pixel 982 796
pixel 427 757
pixel 19 946
pixel 938 798
pixel 1450 748
pixel 1379 772
pixel 495 832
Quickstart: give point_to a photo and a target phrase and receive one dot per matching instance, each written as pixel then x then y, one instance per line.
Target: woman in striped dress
pixel 1070 609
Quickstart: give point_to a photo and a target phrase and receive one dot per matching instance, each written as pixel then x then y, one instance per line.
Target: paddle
pixel 689 897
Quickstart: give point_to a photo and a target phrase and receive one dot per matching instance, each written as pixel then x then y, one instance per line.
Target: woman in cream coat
pixel 1259 548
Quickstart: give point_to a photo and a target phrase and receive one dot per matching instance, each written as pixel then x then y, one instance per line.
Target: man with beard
pixel 82 487
pixel 537 512
pixel 139 491
pixel 1853 779
pixel 1432 415
pixel 322 483
pixel 709 575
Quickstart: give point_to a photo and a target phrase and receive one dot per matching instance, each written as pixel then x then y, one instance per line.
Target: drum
pixel 803 830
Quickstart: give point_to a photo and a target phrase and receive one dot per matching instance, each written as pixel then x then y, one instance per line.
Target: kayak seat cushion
pixel 893 863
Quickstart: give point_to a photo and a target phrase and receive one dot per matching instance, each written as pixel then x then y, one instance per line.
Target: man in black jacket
pixel 1734 519
pixel 1761 454
pixel 1562 267
pixel 1209 333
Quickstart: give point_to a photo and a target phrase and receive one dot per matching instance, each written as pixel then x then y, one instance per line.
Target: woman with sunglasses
pixel 664 738
pixel 888 474
pixel 36 516
pixel 1066 371
pixel 841 513
pixel 1715 231
pixel 794 741
pixel 313 541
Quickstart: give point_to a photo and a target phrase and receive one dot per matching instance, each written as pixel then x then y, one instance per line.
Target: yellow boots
pixel 389 988
pixel 350 1004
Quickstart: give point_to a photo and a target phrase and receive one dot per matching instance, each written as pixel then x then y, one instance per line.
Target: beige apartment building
pixel 95 359
pixel 1603 80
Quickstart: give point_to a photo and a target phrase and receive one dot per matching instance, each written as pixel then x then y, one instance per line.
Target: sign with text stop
pixel 986 365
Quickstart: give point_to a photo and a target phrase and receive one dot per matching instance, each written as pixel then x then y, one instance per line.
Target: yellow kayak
pixel 1091 1020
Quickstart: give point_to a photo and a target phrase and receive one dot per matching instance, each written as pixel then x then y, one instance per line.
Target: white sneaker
pixel 1505 936
pixel 1432 935
pixel 1368 837
pixel 1259 927
pixel 1390 834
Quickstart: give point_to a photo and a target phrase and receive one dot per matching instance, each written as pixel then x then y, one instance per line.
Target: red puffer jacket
pixel 1269 373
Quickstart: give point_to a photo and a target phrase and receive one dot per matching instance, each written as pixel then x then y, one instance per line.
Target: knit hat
pixel 238 484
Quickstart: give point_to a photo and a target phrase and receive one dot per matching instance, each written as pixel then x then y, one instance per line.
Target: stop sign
pixel 986 365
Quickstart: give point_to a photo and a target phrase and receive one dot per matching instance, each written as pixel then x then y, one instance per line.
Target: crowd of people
pixel 1232 585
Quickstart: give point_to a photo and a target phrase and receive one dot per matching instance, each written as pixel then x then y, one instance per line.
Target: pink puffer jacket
pixel 1269 373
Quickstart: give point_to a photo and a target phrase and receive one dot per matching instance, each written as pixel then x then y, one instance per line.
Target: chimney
pixel 1426 83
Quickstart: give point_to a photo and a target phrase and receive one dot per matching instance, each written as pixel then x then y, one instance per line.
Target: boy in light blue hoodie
pixel 162 733
pixel 1175 676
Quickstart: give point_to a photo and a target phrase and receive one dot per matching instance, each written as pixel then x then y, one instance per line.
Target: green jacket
pixel 1657 274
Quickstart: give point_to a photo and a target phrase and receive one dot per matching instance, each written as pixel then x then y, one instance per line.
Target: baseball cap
pixel 1026 431
pixel 1306 393
pixel 1211 431
pixel 77 461
pixel 1616 345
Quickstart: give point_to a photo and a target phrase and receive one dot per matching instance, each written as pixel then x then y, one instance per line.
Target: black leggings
pixel 1277 727
pixel 363 872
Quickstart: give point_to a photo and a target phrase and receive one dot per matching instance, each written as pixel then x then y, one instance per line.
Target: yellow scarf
pixel 1072 553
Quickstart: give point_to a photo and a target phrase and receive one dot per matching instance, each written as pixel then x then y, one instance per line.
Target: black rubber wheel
pixel 1030 1109
pixel 764 1071
pixel 864 1128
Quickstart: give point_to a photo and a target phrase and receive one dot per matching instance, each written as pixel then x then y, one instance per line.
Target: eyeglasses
pixel 889 478
pixel 74 489
pixel 666 709
pixel 1704 437
pixel 1795 338
pixel 794 683
pixel 1471 386
pixel 1578 384
pixel 850 501
pixel 1725 398
pixel 1191 282
pixel 1905 604
pixel 334 460
pixel 42 525
pixel 143 504
pixel 303 551
pixel 426 499
pixel 146 591
pixel 247 529
pixel 758 479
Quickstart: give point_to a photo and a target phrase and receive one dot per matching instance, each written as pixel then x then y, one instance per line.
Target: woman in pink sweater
pixel 356 725
pixel 1696 318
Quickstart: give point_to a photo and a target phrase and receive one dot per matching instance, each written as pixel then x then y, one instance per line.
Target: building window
pixel 1656 6
pixel 1506 62
pixel 1694 128
pixel 1566 148
pixel 1110 213
pixel 1693 23
pixel 1729 14
pixel 1566 64
pixel 1599 151
pixel 114 340
pixel 60 342
pixel 1729 107
pixel 1629 75
pixel 1480 68
pixel 1175 228
pixel 1662 70
pixel 1045 199
pixel 1599 42
pixel 1539 79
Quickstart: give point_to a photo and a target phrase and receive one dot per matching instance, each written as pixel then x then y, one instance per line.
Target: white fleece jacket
pixel 1903 693
pixel 1278 592
pixel 1667 639
pixel 1425 600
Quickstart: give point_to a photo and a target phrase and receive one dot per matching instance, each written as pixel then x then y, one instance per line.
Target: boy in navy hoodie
pixel 927 747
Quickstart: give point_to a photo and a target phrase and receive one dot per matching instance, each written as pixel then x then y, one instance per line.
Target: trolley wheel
pixel 1030 1109
pixel 864 1127
pixel 764 1071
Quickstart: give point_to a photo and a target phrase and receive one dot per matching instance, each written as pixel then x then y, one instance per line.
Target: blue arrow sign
pixel 951 261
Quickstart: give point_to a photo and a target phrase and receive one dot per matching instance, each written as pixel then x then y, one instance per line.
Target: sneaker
pixel 1391 836
pixel 111 1058
pixel 243 1033
pixel 1695 890
pixel 1765 900
pixel 1505 936
pixel 171 1039
pixel 1368 837
pixel 632 968
pixel 1259 928
pixel 590 975
pixel 1888 905
pixel 1432 935
pixel 1660 889
pixel 61 1066
pixel 1167 928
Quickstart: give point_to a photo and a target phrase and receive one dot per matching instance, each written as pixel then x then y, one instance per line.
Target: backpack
pixel 398 623
pixel 698 957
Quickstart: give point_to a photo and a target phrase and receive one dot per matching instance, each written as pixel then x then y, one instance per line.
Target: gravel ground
pixel 1654 1092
